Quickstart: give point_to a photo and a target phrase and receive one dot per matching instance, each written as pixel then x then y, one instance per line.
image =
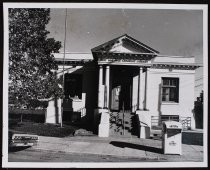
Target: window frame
pixel 73 85
pixel 172 88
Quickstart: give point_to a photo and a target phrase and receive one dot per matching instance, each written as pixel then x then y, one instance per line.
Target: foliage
pixel 198 111
pixel 42 129
pixel 32 65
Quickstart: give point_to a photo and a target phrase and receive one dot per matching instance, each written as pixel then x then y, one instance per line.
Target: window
pixel 73 85
pixel 170 89
pixel 169 117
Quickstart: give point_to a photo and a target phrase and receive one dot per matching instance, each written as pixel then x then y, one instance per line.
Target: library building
pixel 124 87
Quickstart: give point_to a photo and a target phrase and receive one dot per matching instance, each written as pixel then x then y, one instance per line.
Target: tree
pixel 31 62
pixel 198 111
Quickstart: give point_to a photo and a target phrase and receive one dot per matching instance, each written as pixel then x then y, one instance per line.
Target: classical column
pixel 145 88
pixel 140 89
pixel 107 86
pixel 100 87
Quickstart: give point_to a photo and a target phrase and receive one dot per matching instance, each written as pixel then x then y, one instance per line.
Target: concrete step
pixel 119 121
pixel 119 132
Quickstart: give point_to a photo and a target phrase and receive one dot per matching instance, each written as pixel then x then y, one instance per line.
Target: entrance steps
pixel 122 124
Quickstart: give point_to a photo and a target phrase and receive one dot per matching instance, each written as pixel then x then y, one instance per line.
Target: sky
pixel 171 32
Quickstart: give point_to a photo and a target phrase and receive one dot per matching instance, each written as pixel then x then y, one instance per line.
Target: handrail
pixel 157 121
pixel 186 122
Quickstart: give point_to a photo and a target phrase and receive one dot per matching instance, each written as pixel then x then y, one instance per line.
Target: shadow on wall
pixel 192 138
pixel 135 146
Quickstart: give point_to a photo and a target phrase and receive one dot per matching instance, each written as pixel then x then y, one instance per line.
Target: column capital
pixel 145 69
pixel 107 66
pixel 100 66
pixel 140 70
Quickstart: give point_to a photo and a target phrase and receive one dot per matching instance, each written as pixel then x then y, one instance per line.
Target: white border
pixel 107 5
pixel 7 164
pixel 5 90
pixel 205 81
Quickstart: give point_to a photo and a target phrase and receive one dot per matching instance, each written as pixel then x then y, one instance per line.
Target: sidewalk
pixel 120 147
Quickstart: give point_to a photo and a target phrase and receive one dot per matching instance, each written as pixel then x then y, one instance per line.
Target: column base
pixel 103 129
pixel 144 118
pixel 144 132
pixel 101 121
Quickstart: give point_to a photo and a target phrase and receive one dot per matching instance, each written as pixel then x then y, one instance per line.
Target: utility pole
pixel 64 48
pixel 123 119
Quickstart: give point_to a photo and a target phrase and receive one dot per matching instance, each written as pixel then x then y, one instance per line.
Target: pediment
pixel 124 44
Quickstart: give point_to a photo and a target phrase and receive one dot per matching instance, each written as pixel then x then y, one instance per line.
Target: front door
pixel 125 93
pixel 121 96
pixel 116 98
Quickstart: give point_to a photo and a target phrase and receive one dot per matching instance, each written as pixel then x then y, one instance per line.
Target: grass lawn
pixel 42 129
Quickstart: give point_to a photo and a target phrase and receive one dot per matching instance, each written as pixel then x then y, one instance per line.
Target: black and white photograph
pixel 105 85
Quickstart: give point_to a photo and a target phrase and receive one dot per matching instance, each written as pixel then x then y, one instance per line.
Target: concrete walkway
pixel 148 149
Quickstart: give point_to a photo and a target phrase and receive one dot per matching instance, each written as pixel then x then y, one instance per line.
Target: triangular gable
pixel 124 44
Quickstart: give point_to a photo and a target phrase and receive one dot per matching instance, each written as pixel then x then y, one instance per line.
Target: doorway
pixel 121 89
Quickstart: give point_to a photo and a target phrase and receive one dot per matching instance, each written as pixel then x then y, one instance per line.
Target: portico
pixel 122 77
pixel 112 87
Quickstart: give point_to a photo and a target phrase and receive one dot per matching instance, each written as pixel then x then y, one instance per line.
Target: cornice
pixel 175 66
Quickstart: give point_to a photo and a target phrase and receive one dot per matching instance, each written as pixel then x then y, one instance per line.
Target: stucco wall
pixel 186 93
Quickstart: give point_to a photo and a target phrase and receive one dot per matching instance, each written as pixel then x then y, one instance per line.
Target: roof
pixel 173 59
pixel 127 49
pixel 126 42
pixel 184 61
pixel 73 56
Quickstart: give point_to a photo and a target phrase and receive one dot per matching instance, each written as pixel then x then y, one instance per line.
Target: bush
pixel 34 103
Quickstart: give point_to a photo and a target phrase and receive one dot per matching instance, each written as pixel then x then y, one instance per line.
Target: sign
pixel 123 60
pixel 172 143
pixel 173 126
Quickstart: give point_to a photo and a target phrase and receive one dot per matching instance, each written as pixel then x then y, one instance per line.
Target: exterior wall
pixel 153 89
pixel 87 103
pixel 90 90
pixel 186 93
